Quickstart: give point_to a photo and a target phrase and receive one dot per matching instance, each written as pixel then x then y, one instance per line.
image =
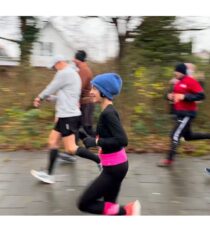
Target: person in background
pixel 186 92
pixel 191 68
pixel 66 84
pixel 86 104
pixel 199 76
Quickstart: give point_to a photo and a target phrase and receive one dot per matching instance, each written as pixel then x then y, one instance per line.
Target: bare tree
pixel 128 27
pixel 29 32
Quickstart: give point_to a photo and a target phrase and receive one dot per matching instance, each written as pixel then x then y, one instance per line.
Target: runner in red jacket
pixel 184 96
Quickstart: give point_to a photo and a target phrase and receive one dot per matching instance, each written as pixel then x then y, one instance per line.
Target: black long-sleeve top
pixel 112 136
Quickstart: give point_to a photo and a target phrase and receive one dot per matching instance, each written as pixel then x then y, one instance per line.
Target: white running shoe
pixel 43 176
pixel 133 208
pixel 137 208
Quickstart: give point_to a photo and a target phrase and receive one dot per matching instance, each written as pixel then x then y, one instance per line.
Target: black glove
pixel 89 142
pixel 82 134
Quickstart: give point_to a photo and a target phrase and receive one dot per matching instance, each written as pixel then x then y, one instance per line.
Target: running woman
pixel 101 195
pixel 67 86
pixel 186 92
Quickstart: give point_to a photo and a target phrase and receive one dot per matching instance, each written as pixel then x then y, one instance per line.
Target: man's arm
pixel 57 83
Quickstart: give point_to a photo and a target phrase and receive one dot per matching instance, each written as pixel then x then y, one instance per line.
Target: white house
pixel 8 58
pixel 50 42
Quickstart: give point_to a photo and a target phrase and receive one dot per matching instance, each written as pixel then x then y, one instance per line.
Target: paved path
pixel 181 190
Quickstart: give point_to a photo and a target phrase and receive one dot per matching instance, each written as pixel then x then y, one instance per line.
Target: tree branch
pixel 192 29
pixel 10 40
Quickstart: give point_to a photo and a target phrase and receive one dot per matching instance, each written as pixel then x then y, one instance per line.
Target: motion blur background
pixel 142 49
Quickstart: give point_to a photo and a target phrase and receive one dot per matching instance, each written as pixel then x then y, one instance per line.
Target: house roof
pixel 10 53
pixel 59 32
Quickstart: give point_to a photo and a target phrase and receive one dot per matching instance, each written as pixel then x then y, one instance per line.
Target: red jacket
pixel 193 92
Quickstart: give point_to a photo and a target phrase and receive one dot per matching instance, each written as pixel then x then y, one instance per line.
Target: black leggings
pixel 105 188
pixel 183 129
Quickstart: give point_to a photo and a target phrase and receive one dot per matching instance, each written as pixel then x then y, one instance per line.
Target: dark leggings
pixel 183 129
pixel 105 188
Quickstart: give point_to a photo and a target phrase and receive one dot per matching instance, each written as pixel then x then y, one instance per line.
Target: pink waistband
pixel 113 158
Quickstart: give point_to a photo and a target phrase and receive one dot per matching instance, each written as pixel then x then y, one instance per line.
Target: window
pixel 2 52
pixel 45 49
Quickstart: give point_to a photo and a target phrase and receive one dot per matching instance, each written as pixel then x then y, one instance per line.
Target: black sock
pixel 52 158
pixel 172 152
pixel 85 153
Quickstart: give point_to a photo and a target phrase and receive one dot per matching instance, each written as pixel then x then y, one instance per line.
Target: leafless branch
pixel 11 40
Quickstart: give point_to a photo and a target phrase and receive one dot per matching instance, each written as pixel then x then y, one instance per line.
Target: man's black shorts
pixel 68 125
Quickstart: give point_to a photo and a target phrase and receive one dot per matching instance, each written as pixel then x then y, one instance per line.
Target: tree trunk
pixel 25 45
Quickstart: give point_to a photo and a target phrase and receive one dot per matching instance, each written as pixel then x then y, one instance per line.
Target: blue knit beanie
pixel 109 84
